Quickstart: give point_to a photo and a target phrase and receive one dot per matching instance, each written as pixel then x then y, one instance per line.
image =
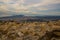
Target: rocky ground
pixel 12 30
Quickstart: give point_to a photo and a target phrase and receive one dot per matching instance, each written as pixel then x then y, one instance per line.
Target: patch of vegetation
pixel 13 30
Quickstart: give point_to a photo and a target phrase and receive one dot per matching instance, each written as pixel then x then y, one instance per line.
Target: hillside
pixel 13 30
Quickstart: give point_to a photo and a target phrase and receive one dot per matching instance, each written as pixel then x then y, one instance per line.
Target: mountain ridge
pixel 30 18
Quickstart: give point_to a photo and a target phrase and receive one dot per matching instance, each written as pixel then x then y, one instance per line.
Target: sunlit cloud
pixel 42 8
pixel 28 6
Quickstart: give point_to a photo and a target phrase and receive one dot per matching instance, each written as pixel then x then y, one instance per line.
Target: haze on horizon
pixel 29 7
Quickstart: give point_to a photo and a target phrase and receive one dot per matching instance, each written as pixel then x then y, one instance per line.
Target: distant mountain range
pixel 11 17
pixel 30 18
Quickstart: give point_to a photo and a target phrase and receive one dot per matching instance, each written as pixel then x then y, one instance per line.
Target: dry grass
pixel 28 30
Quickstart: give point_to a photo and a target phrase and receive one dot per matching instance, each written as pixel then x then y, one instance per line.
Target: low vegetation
pixel 13 30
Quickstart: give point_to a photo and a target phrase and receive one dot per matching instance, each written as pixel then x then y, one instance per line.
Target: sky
pixel 29 7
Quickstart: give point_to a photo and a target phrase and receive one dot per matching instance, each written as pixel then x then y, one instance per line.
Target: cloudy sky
pixel 29 7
